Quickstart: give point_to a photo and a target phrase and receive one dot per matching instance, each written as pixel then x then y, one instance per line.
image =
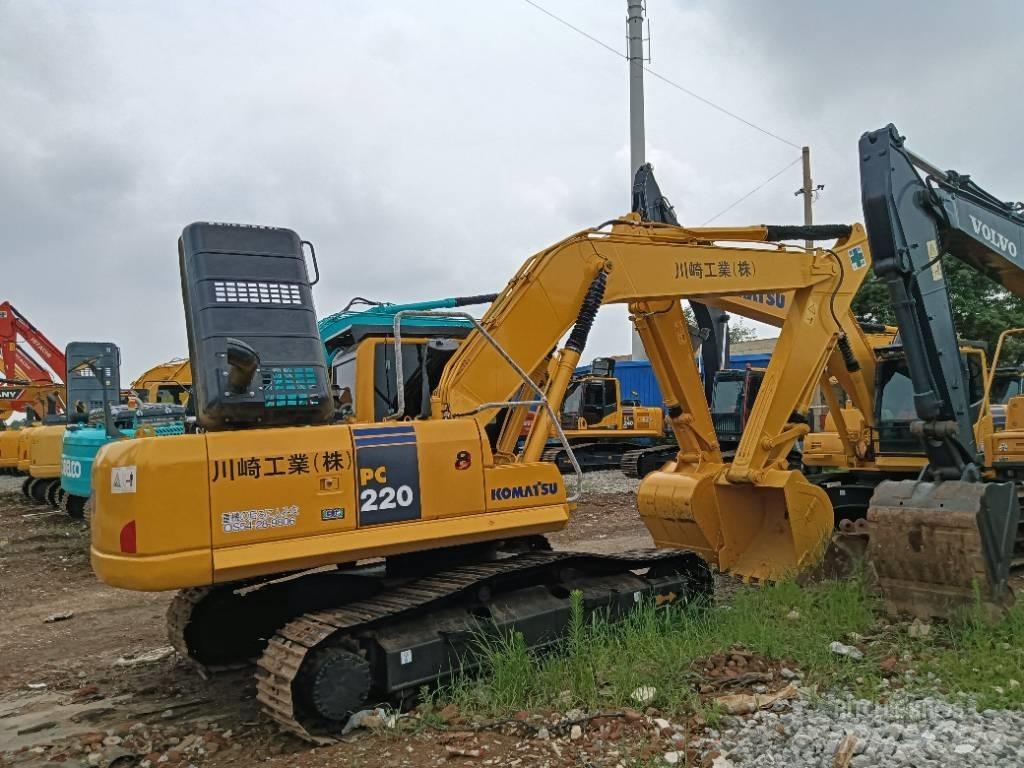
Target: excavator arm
pixel 651 267
pixel 935 540
pixel 12 325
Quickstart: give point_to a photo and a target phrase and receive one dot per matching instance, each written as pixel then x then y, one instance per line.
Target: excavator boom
pixel 13 325
pixel 937 543
pixel 745 518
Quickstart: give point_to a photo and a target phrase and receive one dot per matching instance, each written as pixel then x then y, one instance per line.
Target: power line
pixel 764 183
pixel 576 29
pixel 664 79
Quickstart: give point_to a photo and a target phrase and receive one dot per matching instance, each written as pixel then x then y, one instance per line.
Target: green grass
pixel 976 656
pixel 600 664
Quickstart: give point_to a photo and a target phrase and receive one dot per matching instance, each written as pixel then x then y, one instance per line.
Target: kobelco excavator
pixel 87 387
pixel 428 514
pixel 157 409
pixel 945 540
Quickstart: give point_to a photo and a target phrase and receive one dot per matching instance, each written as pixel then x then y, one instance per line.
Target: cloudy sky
pixel 427 149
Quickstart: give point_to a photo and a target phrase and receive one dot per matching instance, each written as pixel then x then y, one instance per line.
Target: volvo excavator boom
pixel 936 543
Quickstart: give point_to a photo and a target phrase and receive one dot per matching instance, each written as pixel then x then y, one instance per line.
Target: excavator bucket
pixel 765 531
pixel 937 548
pixel 773 529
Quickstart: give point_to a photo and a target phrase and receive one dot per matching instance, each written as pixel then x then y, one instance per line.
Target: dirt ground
pixel 101 687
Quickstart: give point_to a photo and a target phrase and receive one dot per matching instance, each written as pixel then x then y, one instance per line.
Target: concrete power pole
pixel 635 38
pixel 807 191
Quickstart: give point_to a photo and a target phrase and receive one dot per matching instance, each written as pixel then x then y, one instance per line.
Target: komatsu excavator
pixel 600 424
pixel 426 512
pixel 944 541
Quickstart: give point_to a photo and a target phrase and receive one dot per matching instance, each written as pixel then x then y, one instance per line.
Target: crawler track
pixel 436 616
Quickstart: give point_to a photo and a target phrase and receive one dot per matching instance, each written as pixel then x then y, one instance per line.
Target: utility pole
pixel 808 190
pixel 635 37
pixel 635 40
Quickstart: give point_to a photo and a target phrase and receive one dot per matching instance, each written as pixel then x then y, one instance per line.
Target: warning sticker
pixel 123 479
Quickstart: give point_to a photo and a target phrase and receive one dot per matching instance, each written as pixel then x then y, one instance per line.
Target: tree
pixel 739 332
pixel 981 308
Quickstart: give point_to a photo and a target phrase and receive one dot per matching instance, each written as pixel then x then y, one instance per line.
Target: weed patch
pixel 600 664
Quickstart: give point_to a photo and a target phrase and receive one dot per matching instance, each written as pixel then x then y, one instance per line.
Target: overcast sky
pixel 427 149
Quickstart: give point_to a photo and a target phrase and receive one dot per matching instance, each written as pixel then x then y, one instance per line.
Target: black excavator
pixel 944 541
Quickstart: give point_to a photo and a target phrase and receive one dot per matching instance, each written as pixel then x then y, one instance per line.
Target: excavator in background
pixel 600 425
pixel 168 383
pixel 88 387
pixel 39 401
pixel 13 325
pixel 733 392
pixel 436 481
pixel 879 444
pixel 26 385
pixel 153 406
pixel 944 541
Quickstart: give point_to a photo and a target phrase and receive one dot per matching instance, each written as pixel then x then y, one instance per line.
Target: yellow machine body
pixel 9 440
pixel 201 509
pixel 1003 446
pixel 44 449
pixel 856 445
pixel 25 449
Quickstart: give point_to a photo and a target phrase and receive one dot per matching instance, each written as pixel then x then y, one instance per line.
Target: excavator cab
pixel 1002 436
pixel 732 398
pixel 366 376
pixel 591 400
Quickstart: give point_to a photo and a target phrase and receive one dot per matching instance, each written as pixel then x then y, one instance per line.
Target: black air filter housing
pixel 84 388
pixel 249 284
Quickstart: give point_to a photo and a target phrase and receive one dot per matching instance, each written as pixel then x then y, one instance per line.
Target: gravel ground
pixel 608 481
pixel 905 731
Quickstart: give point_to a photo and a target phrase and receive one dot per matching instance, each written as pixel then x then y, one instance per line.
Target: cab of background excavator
pixel 894 398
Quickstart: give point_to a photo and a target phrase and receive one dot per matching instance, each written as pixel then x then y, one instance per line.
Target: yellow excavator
pixel 36 400
pixel 245 515
pixel 599 423
pixel 167 383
